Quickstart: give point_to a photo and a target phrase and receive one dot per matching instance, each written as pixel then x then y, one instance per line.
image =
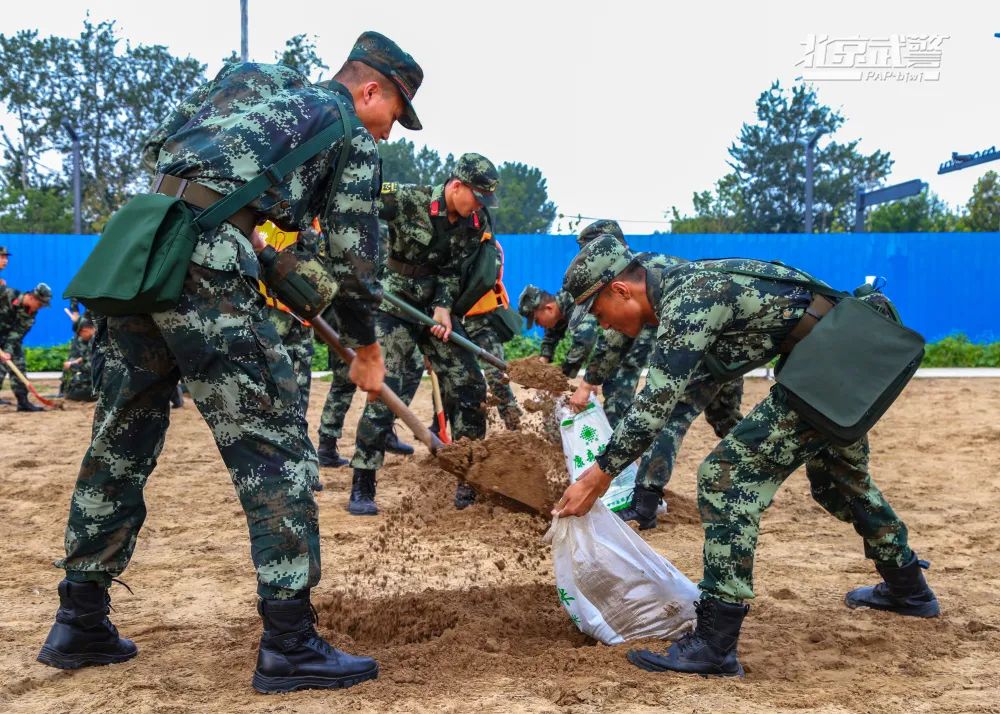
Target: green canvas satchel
pixel 849 369
pixel 140 263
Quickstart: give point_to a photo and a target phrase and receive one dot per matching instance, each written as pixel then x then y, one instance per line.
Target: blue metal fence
pixel 940 281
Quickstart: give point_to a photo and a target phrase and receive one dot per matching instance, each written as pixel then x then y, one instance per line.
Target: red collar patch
pixel 435 208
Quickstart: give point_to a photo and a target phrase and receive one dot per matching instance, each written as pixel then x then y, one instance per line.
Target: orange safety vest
pixel 279 240
pixel 495 298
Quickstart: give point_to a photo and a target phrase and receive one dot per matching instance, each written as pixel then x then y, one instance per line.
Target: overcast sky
pixel 626 107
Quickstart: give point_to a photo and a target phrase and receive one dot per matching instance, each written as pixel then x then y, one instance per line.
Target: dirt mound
pixel 518 465
pixel 530 372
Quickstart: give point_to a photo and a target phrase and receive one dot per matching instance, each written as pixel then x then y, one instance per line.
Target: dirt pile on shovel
pixel 518 465
pixel 529 372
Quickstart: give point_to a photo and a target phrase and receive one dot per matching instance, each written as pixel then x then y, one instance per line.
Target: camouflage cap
pixel 4 251
pixel 599 228
pixel 594 267
pixel 43 292
pixel 479 173
pixel 530 300
pixel 84 323
pixel 382 54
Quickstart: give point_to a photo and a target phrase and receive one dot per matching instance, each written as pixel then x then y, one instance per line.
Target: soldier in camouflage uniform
pixel 617 363
pixel 705 313
pixel 218 338
pixel 77 381
pixel 341 393
pixel 4 259
pixel 17 315
pixel 554 313
pixel 430 228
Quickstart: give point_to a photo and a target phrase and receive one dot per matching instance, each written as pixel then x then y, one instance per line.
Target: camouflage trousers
pixel 481 331
pixel 298 342
pixel 462 385
pixel 619 389
pixel 738 480
pixel 17 357
pixel 721 406
pixel 77 385
pixel 341 394
pixel 219 340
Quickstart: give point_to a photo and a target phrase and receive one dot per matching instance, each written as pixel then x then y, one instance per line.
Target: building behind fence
pixel 941 282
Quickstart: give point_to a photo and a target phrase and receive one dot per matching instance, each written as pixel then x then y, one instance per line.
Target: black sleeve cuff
pixel 356 320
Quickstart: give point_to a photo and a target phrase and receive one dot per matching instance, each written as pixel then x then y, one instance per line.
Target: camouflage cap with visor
pixel 530 300
pixel 43 292
pixel 4 251
pixel 382 54
pixel 479 174
pixel 593 269
pixel 599 228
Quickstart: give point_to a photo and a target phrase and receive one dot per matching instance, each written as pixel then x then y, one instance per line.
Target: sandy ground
pixel 460 608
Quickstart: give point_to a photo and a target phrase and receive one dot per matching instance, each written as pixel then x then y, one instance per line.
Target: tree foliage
pixel 112 93
pixel 925 212
pixel 983 208
pixel 765 192
pixel 300 54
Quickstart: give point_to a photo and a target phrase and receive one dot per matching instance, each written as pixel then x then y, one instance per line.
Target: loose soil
pixel 460 607
pixel 529 372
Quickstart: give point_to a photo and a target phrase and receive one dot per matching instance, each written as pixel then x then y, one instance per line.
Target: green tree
pixel 765 193
pixel 923 213
pixel 300 54
pixel 983 208
pixel 111 92
pixel 35 210
pixel 402 163
pixel 524 201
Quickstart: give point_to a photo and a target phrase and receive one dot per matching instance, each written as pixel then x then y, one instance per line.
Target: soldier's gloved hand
pixel 368 370
pixel 5 356
pixel 581 397
pixel 257 240
pixel 580 497
pixel 443 330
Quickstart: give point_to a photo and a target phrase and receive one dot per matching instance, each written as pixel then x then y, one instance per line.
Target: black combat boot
pixel 328 454
pixel 23 405
pixel 645 501
pixel 293 656
pixel 394 446
pixel 362 501
pixel 465 495
pixel 709 651
pixel 82 635
pixel 6 402
pixel 903 591
pixel 177 398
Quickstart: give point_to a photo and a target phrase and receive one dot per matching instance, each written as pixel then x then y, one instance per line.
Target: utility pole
pixel 75 138
pixel 244 54
pixel 810 149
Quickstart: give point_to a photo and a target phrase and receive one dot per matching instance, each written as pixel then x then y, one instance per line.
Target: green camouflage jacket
pixel 78 376
pixel 737 319
pixel 421 235
pixel 584 335
pixel 15 322
pixel 247 118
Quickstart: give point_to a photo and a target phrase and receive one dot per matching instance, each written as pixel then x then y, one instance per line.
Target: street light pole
pixel 244 54
pixel 75 138
pixel 810 149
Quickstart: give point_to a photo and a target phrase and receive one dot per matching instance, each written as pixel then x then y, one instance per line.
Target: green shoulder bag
pixel 140 263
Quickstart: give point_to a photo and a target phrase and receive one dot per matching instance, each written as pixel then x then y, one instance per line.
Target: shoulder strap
pixel 276 172
pixel 813 284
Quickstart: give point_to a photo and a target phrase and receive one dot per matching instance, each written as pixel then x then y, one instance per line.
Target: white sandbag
pixel 613 585
pixel 584 436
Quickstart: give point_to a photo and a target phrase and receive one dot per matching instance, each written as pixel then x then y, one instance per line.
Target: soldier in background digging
pixel 77 381
pixel 4 259
pixel 553 313
pixel 17 316
pixel 737 313
pixel 430 228
pixel 617 363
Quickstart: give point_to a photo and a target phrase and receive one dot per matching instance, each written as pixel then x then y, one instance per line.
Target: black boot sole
pixel 276 685
pixel 636 658
pixel 926 610
pixel 62 660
